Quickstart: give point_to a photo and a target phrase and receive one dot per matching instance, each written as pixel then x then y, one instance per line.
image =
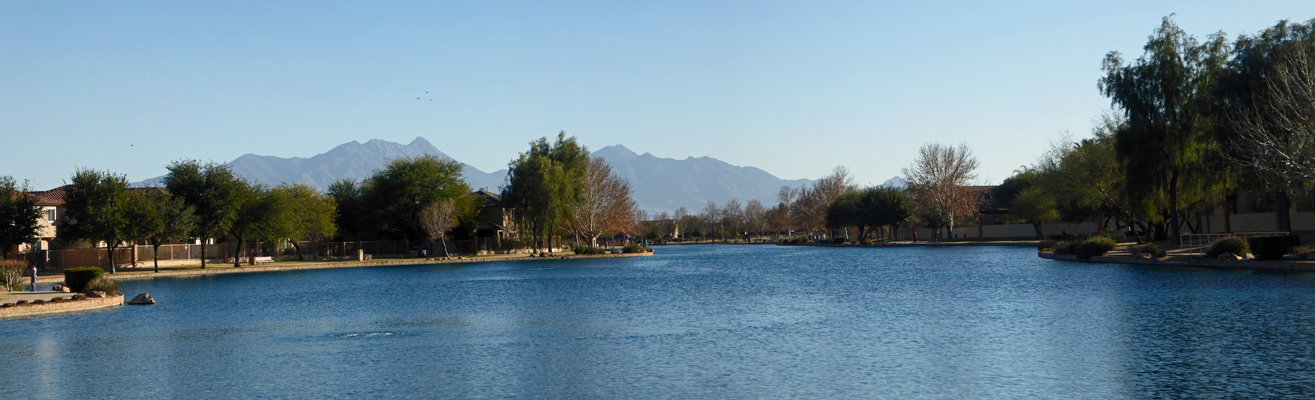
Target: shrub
pixel 1149 248
pixel 1273 247
pixel 1230 244
pixel 1096 246
pixel 1047 244
pixel 11 274
pixel 38 301
pixel 79 296
pixel 586 250
pixel 632 248
pixel 102 284
pixel 1067 248
pixel 76 278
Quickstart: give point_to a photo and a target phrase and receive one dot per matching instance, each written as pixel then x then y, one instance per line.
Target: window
pixel 50 215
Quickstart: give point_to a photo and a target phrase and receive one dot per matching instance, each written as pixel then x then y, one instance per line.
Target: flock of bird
pixel 431 99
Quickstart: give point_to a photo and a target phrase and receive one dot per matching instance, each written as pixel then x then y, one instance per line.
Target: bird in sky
pixel 417 98
pixel 426 92
pixel 431 99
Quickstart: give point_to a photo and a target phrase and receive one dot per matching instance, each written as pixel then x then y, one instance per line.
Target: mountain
pixel 351 160
pixel 665 184
pixel 896 182
pixel 659 184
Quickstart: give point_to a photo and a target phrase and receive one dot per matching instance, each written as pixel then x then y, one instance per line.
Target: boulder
pixel 142 300
pixel 96 294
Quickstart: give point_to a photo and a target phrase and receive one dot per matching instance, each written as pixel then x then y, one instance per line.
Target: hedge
pixel 76 278
pixel 1273 247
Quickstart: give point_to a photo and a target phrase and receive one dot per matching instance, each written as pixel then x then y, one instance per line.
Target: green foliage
pixel 1023 178
pixel 389 202
pixel 101 284
pixel 1148 248
pixel 19 214
pixel 1231 244
pixel 580 249
pixel 313 213
pixel 1273 247
pixel 213 192
pixel 633 248
pixel 545 183
pixel 1096 246
pixel 1167 96
pixel 1047 244
pixel 1035 205
pixel 96 208
pixel 77 278
pixel 157 217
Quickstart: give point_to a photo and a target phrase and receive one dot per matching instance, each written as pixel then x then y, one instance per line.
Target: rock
pixel 1250 256
pixel 1162 254
pixel 1229 257
pixel 96 294
pixel 142 300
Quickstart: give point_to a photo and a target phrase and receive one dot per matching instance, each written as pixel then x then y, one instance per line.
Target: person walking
pixel 32 270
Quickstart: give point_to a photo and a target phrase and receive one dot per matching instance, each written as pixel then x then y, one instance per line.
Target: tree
pixel 19 214
pixel 847 211
pixel 939 182
pixel 681 219
pixel 96 209
pixel 1270 112
pixel 889 207
pixel 263 214
pixel 755 217
pixel 349 200
pixel 1036 206
pixel 545 183
pixel 312 214
pixel 710 218
pixel 810 202
pixel 1166 95
pixel 437 218
pixel 395 195
pixel 212 190
pixel 606 206
pixel 156 217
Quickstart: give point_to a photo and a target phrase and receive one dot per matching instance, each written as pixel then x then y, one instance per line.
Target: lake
pixel 707 321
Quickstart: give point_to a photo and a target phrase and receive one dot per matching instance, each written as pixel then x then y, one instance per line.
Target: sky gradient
pixel 793 88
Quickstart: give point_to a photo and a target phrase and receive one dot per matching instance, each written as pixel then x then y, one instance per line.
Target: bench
pixel 258 260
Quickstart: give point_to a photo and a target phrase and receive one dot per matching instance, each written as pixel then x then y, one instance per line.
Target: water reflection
pixel 699 321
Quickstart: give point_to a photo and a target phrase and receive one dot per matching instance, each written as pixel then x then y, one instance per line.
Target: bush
pixel 103 285
pixel 1047 244
pixel 586 250
pixel 1096 246
pixel 1149 248
pixel 11 274
pixel 1273 247
pixel 76 278
pixel 632 248
pixel 79 296
pixel 1067 248
pixel 1231 244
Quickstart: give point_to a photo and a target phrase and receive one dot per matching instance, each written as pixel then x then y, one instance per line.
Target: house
pixel 495 219
pixel 52 207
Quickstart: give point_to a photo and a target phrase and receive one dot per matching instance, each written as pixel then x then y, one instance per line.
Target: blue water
pixel 720 321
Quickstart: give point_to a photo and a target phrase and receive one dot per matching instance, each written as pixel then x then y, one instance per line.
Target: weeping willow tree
pixel 1167 96
pixel 544 185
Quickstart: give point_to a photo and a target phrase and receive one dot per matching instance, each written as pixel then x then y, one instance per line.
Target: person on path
pixel 915 236
pixel 32 270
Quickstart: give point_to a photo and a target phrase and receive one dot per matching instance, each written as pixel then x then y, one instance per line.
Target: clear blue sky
pixel 794 88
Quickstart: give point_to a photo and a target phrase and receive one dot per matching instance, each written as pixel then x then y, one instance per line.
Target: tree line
pixel 1195 122
pixel 553 188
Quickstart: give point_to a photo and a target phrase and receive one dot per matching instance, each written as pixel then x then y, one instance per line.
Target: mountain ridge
pixel 659 184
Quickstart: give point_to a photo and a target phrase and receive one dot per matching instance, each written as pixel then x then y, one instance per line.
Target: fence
pixel 1196 243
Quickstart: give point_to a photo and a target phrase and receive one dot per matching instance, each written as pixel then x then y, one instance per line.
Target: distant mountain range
pixel 659 184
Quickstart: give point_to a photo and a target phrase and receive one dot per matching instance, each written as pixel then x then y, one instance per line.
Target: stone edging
pixel 60 307
pixel 1202 263
pixel 228 269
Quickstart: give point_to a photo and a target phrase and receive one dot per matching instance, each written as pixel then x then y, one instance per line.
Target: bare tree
pixel 437 218
pixel 1275 133
pixel 809 206
pixel 681 221
pixel 939 181
pixel 606 207
pixel 755 217
pixel 710 218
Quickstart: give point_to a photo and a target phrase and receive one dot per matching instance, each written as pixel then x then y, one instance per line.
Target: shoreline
pixel 1264 265
pixel 63 307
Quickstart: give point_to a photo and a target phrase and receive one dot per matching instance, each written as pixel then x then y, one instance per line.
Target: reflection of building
pixel 495 219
